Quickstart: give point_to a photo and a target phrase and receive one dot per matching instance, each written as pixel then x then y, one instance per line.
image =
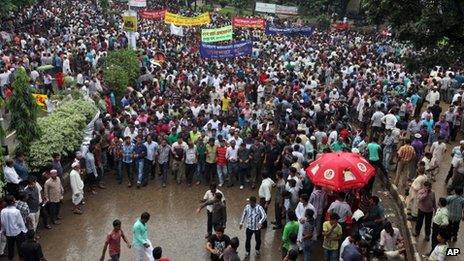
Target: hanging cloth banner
pixel 152 14
pixel 180 20
pixel 305 30
pixel 177 30
pixel 248 22
pixel 265 8
pixel 218 34
pixel 138 3
pixel 237 49
pixel 286 10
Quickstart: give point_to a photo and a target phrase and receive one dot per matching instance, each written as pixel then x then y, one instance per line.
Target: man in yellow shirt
pixel 226 102
pixel 332 231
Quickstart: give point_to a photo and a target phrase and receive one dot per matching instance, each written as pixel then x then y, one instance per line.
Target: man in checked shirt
pixel 254 217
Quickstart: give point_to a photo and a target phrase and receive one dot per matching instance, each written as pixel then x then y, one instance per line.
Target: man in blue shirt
pixel 140 151
pixel 140 240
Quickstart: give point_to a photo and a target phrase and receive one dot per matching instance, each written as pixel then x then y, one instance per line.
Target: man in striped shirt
pixel 406 154
pixel 254 217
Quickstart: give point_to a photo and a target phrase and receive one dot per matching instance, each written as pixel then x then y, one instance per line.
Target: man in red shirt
pixel 221 162
pixel 113 240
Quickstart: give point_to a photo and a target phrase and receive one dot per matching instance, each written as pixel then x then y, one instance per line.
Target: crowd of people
pixel 252 122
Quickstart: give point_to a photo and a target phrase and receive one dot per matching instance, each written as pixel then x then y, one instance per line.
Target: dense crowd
pixel 251 122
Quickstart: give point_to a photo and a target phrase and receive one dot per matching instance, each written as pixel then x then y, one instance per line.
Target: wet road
pixel 174 223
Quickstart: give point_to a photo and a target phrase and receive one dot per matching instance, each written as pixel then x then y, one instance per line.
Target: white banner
pixel 177 30
pixel 265 8
pixel 138 3
pixel 288 10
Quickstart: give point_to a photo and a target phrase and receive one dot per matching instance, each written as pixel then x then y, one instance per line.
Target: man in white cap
pixel 77 187
pixel 53 192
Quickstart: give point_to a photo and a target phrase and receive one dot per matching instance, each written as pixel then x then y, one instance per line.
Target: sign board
pixel 216 34
pixel 265 8
pixel 286 10
pixel 138 3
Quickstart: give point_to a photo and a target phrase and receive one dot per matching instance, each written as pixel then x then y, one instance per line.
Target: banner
pixel 130 23
pixel 138 3
pixel 286 10
pixel 217 34
pixel 177 30
pixel 40 99
pixel 238 49
pixel 276 9
pixel 175 19
pixel 152 14
pixel 265 8
pixel 248 22
pixel 305 30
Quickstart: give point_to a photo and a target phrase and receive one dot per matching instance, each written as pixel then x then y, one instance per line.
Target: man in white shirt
pixel 389 120
pixel 264 193
pixel 11 178
pixel 152 148
pixel 232 162
pixel 12 226
pixel 209 196
pixel 300 213
pixel 376 120
pixel 77 187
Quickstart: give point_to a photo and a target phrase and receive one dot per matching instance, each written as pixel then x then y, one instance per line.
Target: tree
pixel 434 26
pixel 24 111
pixel 117 79
pixel 121 69
pixel 8 6
pixel 105 6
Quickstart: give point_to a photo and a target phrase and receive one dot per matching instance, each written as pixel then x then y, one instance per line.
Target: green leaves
pixel 7 6
pixel 121 70
pixel 24 110
pixel 63 131
pixel 424 23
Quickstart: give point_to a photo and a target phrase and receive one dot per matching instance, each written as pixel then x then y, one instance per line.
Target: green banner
pixel 215 35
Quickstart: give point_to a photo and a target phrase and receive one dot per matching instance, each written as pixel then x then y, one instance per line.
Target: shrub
pixel 24 110
pixel 63 131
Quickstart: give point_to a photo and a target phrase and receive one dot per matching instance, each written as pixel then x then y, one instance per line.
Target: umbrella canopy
pixel 340 171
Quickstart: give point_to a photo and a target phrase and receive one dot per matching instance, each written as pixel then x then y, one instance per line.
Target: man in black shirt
pixel 31 249
pixel 217 243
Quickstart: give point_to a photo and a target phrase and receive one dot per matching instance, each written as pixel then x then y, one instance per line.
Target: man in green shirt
pixel 338 145
pixel 201 151
pixel 373 149
pixel 140 240
pixel 332 231
pixel 290 228
pixel 173 137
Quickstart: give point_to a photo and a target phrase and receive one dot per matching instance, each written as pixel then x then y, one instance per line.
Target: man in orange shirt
pixel 406 154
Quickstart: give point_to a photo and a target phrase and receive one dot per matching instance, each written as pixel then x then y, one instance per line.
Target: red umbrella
pixel 340 171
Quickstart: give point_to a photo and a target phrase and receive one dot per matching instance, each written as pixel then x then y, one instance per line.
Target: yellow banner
pixel 130 23
pixel 180 20
pixel 40 99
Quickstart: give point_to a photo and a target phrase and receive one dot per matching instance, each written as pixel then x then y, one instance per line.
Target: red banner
pixel 341 26
pixel 152 14
pixel 248 22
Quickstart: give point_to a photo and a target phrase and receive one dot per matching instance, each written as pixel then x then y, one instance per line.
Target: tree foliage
pixel 105 6
pixel 24 110
pixel 8 6
pixel 428 24
pixel 121 70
